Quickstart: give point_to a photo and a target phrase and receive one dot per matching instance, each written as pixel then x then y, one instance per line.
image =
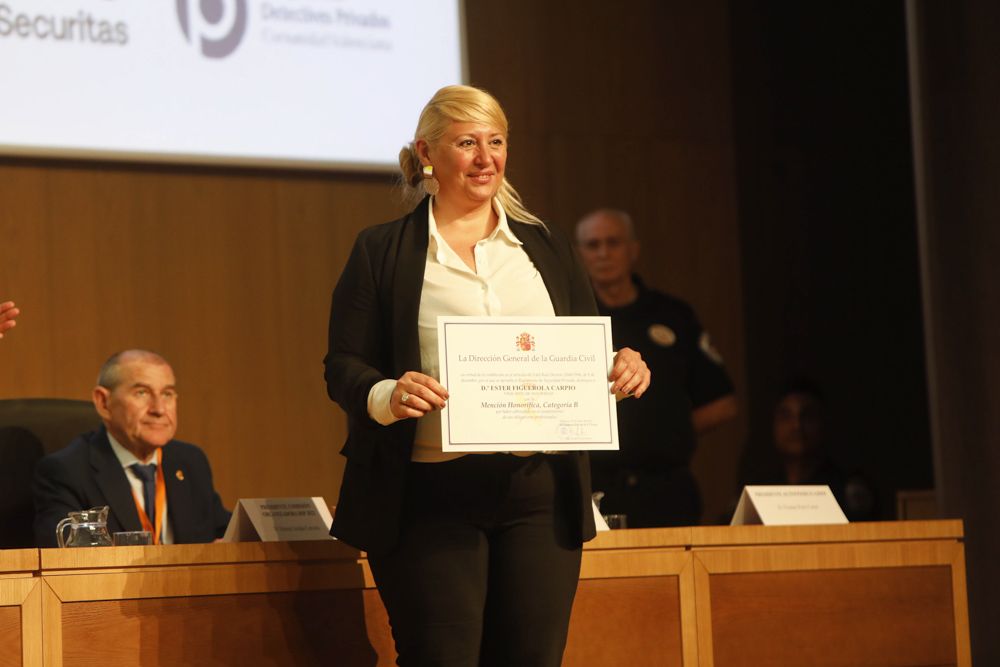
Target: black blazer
pixel 86 474
pixel 373 336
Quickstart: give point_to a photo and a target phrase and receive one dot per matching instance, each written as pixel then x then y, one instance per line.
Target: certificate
pixel 526 384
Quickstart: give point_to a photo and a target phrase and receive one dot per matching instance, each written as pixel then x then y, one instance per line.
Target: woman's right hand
pixel 415 395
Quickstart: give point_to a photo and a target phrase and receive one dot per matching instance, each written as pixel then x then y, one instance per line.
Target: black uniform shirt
pixel 656 430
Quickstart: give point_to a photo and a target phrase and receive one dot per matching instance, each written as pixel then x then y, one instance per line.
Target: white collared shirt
pixel 127 458
pixel 505 282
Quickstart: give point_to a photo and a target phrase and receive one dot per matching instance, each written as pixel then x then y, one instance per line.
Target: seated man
pixel 133 465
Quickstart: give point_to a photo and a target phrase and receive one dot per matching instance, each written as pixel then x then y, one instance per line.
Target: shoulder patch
pixel 662 335
pixel 705 343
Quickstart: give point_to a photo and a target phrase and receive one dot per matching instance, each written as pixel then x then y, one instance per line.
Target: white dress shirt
pixel 127 458
pixel 505 282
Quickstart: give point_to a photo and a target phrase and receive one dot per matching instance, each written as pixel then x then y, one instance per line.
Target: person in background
pixel 649 480
pixel 132 464
pixel 476 557
pixel 8 315
pixel 803 455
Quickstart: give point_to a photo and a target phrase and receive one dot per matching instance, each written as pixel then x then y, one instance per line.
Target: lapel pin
pixel 180 475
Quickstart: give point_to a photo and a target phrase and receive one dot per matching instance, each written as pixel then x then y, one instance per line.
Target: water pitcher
pixel 87 528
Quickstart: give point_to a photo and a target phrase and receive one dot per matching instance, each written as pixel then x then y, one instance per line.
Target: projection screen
pixel 330 84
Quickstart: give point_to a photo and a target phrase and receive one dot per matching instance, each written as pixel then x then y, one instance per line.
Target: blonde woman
pixel 476 557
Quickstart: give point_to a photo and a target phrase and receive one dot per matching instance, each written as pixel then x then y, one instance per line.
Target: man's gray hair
pixel 110 375
pixel 615 213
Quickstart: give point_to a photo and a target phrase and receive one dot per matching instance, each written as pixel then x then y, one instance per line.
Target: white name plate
pixel 787 506
pixel 279 520
pixel 599 521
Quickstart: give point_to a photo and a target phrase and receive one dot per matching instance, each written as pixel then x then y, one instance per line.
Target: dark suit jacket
pixel 373 336
pixel 87 474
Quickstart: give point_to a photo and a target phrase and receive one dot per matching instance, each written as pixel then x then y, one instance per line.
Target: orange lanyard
pixel 161 502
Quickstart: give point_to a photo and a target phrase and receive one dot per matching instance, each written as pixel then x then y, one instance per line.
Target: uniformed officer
pixel 649 479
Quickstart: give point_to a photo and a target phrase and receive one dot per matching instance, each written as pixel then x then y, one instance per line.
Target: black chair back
pixel 29 429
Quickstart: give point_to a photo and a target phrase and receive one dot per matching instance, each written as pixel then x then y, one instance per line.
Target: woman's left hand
pixel 7 314
pixel 630 375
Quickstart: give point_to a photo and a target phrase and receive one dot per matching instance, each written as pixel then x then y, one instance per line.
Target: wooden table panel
pixel 841 618
pixel 185 555
pixel 379 633
pixel 861 594
pixel 874 531
pixel 637 538
pixel 633 621
pixel 10 635
pixel 20 617
pixel 81 585
pixel 306 628
pixel 18 561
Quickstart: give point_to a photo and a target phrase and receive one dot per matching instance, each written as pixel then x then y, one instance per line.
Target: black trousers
pixel 485 572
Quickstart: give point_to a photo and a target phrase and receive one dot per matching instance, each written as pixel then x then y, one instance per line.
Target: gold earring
pixel 431 185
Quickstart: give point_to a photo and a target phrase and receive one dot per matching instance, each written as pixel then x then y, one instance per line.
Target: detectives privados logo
pixel 215 26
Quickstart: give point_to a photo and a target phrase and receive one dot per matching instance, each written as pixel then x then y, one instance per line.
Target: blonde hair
pixel 458 104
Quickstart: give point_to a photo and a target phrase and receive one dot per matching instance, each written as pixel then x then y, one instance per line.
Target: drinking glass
pixel 133 538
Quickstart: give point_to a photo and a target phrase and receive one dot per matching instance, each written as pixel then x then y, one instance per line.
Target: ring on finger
pixel 404 397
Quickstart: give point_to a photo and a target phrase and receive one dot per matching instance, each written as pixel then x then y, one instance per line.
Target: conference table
pixel 858 594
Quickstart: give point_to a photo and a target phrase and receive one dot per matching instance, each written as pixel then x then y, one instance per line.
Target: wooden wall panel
pixel 229 275
pixel 228 272
pixel 629 105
